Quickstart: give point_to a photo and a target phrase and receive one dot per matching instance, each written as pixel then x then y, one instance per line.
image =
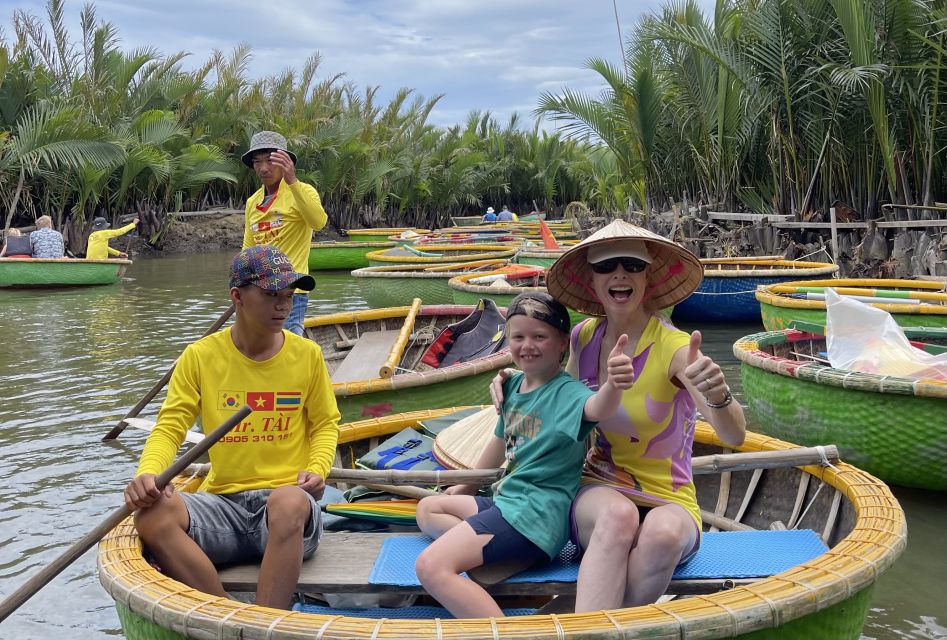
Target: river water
pixel 72 362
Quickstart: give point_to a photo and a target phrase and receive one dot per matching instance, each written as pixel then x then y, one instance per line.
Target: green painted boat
pixel 435 254
pixel 398 285
pixel 894 428
pixel 855 514
pixel 325 256
pixel 538 256
pixel 912 303
pixel 28 273
pixel 409 385
pixel 380 234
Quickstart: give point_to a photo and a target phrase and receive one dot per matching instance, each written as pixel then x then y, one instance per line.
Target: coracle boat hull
pixel 398 285
pixel 380 234
pixel 928 309
pixel 28 273
pixel 327 256
pixel 728 290
pixel 432 255
pixel 826 597
pixel 892 427
pixel 466 291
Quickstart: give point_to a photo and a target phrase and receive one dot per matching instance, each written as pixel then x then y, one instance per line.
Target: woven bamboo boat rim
pixel 385 231
pixel 748 350
pixel 61 261
pixel 422 272
pixel 771 294
pixel 458 253
pixel 761 267
pixel 878 537
pixel 358 244
pixel 461 283
pixel 545 253
pixel 456 371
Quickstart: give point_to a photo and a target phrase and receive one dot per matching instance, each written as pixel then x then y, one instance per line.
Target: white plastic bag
pixel 866 339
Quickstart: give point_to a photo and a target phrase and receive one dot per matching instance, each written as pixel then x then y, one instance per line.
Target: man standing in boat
pixel 283 212
pixel 260 498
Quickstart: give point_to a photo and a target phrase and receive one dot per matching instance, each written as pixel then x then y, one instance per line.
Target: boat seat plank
pixel 366 357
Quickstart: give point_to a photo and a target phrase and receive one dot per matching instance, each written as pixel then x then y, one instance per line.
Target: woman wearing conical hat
pixel 637 507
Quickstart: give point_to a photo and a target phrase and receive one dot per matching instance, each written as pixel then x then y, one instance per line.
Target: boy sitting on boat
pixel 260 498
pixel 541 433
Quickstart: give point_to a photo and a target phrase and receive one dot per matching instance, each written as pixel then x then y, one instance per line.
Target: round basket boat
pixel 29 273
pixel 434 254
pixel 826 597
pixel 381 234
pixel 727 293
pixel 326 256
pixel 912 303
pixel 399 284
pixel 540 257
pixel 892 427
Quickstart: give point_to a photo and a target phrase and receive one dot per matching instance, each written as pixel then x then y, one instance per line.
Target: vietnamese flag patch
pixel 261 400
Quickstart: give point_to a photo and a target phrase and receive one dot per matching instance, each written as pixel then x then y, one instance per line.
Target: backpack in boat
pixel 406 450
pixel 477 335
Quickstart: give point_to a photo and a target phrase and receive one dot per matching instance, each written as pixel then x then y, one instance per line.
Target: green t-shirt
pixel 545 447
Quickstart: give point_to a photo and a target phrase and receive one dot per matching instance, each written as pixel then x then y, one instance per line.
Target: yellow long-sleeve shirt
pixel 287 223
pixel 294 425
pixel 98 247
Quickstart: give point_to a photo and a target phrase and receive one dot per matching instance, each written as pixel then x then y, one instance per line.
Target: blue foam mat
pixel 722 554
pixel 417 612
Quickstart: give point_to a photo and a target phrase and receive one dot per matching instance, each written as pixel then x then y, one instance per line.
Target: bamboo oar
pixel 394 356
pixel 134 411
pixel 12 602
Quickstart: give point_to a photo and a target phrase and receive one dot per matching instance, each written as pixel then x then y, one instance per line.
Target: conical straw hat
pixel 459 446
pixel 674 274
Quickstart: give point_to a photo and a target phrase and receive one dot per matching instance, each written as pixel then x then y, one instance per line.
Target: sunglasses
pixel 631 265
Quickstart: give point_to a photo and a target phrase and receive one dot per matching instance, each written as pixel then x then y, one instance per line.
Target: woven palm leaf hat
pixel 674 274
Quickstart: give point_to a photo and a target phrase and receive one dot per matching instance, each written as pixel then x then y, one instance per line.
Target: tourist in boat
pixel 98 247
pixel 489 216
pixel 283 212
pixel 541 431
pixel 260 498
pixel 16 245
pixel 636 516
pixel 506 215
pixel 46 241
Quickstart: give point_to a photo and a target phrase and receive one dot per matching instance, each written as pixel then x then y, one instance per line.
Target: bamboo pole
pixel 397 349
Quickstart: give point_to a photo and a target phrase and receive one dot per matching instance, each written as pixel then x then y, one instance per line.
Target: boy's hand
pixel 621 371
pixel 496 387
pixel 311 483
pixel 142 492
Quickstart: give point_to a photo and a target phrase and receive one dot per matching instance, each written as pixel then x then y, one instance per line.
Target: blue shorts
pixel 294 323
pixel 231 527
pixel 507 542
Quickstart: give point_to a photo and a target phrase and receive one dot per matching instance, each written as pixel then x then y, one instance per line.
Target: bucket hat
pixel 266 140
pixel 268 268
pixel 99 223
pixel 674 272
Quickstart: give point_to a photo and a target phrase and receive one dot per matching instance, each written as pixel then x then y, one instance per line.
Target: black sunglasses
pixel 631 265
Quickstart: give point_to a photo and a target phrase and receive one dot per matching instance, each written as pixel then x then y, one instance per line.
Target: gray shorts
pixel 231 527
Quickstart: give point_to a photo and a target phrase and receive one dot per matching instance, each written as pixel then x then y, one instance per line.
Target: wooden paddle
pixel 12 602
pixel 134 411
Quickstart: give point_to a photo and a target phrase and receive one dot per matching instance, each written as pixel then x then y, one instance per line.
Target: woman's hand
pixel 496 387
pixel 704 374
pixel 621 370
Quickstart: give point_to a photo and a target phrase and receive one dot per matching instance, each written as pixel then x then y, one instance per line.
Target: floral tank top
pixel 653 466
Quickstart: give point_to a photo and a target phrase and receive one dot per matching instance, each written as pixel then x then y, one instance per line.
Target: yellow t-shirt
pixel 287 223
pixel 98 247
pixel 294 425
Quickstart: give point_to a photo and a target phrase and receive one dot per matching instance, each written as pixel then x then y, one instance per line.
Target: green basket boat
pixel 826 597
pixel 912 303
pixel 435 254
pixel 28 273
pixel 540 257
pixel 325 256
pixel 892 427
pixel 398 285
pixel 375 235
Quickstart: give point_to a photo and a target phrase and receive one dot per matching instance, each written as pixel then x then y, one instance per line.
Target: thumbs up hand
pixel 703 373
pixel 621 371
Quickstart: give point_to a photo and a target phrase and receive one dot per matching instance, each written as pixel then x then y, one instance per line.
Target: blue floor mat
pixel 722 554
pixel 418 612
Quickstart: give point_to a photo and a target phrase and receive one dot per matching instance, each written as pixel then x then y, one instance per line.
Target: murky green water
pixel 73 361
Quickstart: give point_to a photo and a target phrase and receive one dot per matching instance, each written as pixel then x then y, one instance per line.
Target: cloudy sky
pixel 496 55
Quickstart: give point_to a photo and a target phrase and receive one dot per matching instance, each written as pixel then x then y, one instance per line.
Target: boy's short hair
pixel 542 306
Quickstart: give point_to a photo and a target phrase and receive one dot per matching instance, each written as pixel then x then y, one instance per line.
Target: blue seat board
pixel 722 554
pixel 416 612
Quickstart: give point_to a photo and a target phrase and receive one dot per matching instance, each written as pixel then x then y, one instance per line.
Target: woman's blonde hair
pixel 14 232
pixel 44 222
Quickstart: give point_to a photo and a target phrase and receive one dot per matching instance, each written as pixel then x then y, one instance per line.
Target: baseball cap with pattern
pixel 268 268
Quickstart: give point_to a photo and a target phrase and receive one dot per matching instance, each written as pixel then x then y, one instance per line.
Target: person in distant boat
pixel 506 215
pixel 260 498
pixel 636 516
pixel 98 247
pixel 16 245
pixel 489 216
pixel 46 241
pixel 545 419
pixel 283 212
